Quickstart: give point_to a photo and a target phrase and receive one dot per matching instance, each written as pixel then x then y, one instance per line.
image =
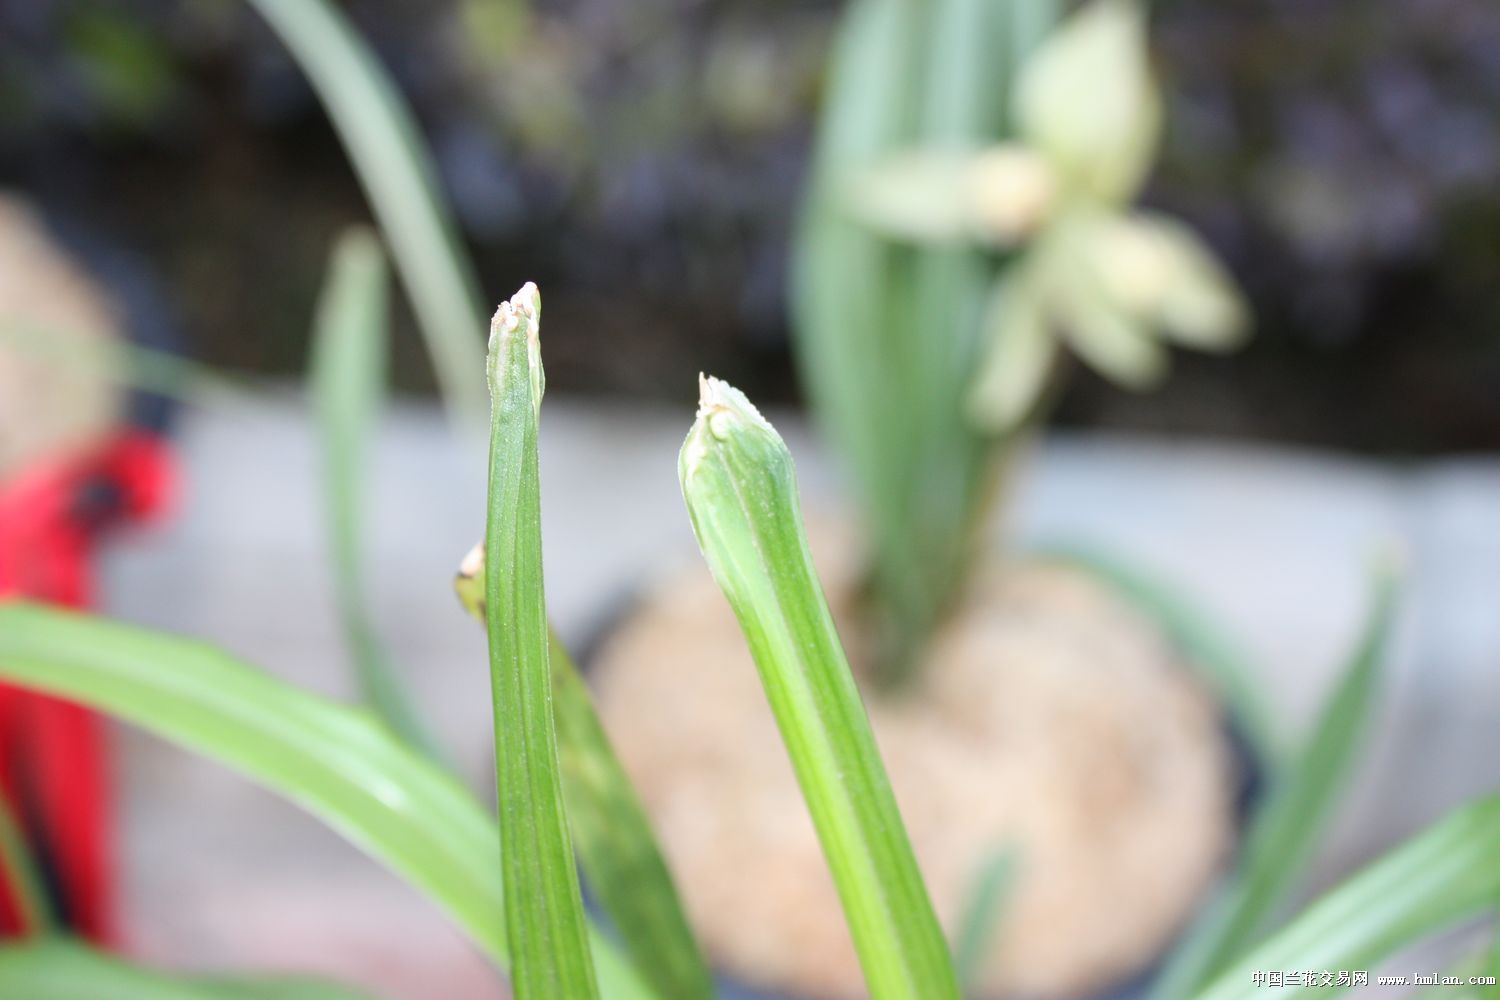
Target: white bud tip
pixel 720 404
pixel 473 563
pixel 524 305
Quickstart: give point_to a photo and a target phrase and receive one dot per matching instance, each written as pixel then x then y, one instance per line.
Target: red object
pixel 53 765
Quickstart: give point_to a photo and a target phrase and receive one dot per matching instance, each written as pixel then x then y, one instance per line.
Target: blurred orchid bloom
pixel 1111 283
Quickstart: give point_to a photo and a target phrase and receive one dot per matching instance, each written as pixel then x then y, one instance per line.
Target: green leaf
pixel 1492 958
pixel 1200 639
pixel 65 970
pixel 158 372
pixel 982 916
pixel 1028 23
pixel 625 868
pixel 623 865
pixel 543 905
pixel 886 334
pixel 391 159
pixel 337 762
pixel 849 306
pixel 741 494
pixel 1287 828
pixel 1447 873
pixel 348 371
pixel 21 876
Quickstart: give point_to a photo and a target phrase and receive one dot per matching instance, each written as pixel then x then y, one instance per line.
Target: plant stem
pixel 543 905
pixel 622 863
pixel 741 492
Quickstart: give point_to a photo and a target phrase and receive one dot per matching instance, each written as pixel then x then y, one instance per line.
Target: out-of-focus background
pixel 643 162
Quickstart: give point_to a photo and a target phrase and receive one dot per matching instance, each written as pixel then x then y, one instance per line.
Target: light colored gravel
pixel 1050 720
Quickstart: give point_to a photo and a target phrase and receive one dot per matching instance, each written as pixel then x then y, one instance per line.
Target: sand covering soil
pixel 1050 718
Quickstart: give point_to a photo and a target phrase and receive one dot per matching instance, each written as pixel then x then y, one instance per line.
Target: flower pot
pixel 1050 719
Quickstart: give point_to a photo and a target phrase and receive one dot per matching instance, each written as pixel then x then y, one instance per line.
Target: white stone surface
pixel 1276 543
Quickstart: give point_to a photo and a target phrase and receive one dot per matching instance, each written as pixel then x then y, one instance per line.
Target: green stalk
pixel 348 374
pixel 623 866
pixel 388 153
pixel 889 336
pixel 543 905
pixel 741 493
pixel 21 875
pixel 1446 874
pixel 1287 829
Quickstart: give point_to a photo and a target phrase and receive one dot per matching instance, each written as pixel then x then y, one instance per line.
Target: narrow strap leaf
pixel 1447 873
pixel 543 905
pixel 1287 828
pixel 392 161
pixel 65 970
pixel 622 863
pixel 160 373
pixel 337 762
pixel 741 493
pixel 1491 967
pixel 982 915
pixel 612 834
pixel 348 373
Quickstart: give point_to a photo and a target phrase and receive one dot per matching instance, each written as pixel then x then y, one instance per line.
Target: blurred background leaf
pixel 1286 829
pixel 348 373
pixel 333 760
pixel 66 970
pixel 1442 875
pixel 983 915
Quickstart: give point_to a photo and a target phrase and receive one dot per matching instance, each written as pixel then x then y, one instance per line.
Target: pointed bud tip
pixel 722 410
pixel 468 583
pixel 473 563
pixel 720 403
pixel 525 305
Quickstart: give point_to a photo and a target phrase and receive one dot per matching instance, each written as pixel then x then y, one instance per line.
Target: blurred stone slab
pixel 1276 543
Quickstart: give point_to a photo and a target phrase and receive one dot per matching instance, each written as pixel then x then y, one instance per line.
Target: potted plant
pixel 969 235
pixel 371 776
pixel 510 880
